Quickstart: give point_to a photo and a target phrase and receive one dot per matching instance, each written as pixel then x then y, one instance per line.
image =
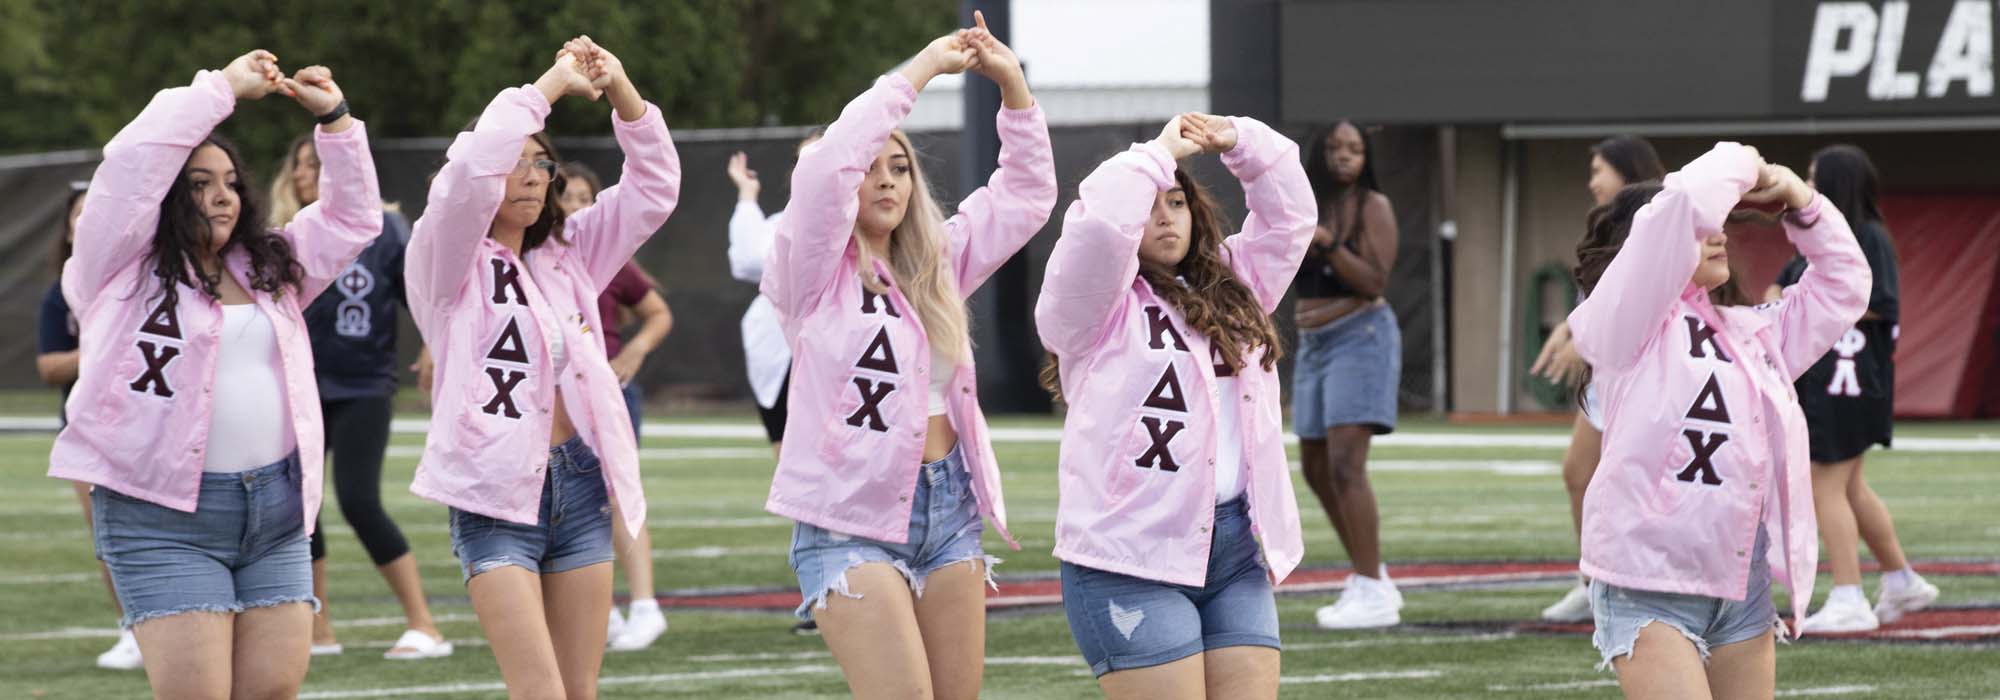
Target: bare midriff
pixel 939 438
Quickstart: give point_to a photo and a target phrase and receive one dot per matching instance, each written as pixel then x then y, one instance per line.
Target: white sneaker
pixel 616 626
pixel 123 656
pixel 1366 603
pixel 1892 604
pixel 1574 606
pixel 1840 615
pixel 641 629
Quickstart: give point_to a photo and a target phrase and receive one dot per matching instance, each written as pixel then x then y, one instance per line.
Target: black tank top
pixel 1316 278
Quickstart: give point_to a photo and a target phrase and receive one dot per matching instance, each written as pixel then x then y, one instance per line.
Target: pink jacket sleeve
pixel 1097 258
pixel 330 233
pixel 996 220
pixel 608 233
pixel 1831 296
pixel 464 197
pixel 818 225
pixel 1265 255
pixel 122 209
pixel 1612 328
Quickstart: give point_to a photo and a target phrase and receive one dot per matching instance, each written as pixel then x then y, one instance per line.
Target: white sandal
pixel 418 646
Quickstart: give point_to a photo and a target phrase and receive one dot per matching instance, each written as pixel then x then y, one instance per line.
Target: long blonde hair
pixel 285 204
pixel 920 262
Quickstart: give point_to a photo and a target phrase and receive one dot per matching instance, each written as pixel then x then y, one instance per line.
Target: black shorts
pixel 1842 428
pixel 774 417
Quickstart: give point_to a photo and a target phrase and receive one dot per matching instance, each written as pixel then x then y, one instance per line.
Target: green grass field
pixel 1438 504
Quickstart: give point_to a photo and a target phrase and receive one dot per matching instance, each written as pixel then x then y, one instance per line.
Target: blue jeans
pixel 944 529
pixel 244 546
pixel 572 531
pixel 1123 622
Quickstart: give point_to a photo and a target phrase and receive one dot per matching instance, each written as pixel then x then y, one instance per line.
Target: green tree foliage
pixel 72 72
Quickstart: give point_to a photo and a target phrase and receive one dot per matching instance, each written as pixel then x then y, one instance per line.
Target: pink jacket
pixel 859 408
pixel 1137 477
pixel 139 415
pixel 1704 437
pixel 486 316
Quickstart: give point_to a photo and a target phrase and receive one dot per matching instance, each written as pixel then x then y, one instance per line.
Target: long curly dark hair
pixel 1206 290
pixel 183 235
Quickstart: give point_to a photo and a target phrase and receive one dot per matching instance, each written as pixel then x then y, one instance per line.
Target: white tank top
pixel 250 424
pixel 942 369
pixel 1228 443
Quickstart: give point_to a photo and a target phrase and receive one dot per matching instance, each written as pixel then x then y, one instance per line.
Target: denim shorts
pixel 1708 622
pixel 243 547
pixel 1348 372
pixel 1123 622
pixel 572 531
pixel 944 530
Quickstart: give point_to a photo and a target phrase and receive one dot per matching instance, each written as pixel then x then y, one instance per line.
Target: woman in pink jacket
pixel 1177 513
pixel 886 466
pixel 1703 495
pixel 195 413
pixel 529 439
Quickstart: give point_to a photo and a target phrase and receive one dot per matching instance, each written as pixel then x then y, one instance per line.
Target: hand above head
pixel 1777 183
pixel 993 58
pixel 1215 134
pixel 253 75
pixel 945 55
pixel 313 88
pixel 1175 139
pixel 568 76
pixel 747 186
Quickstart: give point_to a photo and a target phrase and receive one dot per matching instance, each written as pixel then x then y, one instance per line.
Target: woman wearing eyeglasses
pixel 529 442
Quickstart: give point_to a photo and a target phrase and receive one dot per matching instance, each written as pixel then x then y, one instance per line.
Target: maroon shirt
pixel 628 288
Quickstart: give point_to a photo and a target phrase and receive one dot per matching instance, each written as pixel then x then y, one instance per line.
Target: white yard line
pixel 1826 690
pixel 1942 632
pixel 1542 687
pixel 1359 676
pixel 1397 641
pixel 652 679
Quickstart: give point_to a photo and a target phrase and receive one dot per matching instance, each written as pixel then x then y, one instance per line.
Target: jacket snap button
pixel 1246 398
pixel 1739 552
pixel 903 499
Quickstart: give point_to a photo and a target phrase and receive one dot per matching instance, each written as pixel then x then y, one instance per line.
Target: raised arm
pixel 1654 266
pixel 819 220
pixel 1832 294
pixel 1266 254
pixel 329 233
pixel 1097 258
pixel 607 233
pixel 750 234
pixel 122 209
pixel 466 192
pixel 996 220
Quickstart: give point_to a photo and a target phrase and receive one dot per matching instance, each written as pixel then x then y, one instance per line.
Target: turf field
pixel 1450 495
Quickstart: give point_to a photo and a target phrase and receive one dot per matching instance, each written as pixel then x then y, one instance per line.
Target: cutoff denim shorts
pixel 243 547
pixel 944 530
pixel 1123 622
pixel 1708 622
pixel 572 531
